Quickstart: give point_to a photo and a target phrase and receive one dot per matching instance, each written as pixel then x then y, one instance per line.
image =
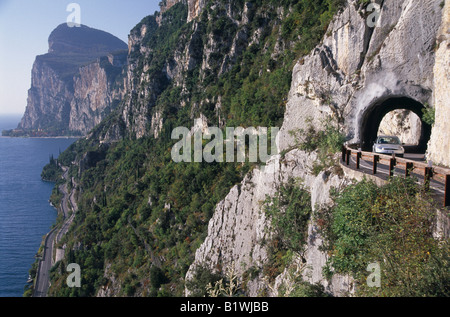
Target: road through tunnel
pixel 374 115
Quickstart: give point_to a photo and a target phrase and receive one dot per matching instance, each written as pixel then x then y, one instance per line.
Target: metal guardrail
pixel 439 174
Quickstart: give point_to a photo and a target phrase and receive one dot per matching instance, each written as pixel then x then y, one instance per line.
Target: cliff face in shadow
pixel 75 84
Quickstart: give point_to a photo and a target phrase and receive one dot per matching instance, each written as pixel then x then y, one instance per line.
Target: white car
pixel 387 144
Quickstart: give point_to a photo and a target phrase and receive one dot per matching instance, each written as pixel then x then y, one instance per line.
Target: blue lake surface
pixel 25 212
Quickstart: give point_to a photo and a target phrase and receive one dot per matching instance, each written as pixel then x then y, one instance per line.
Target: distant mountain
pixel 72 47
pixel 83 40
pixel 62 99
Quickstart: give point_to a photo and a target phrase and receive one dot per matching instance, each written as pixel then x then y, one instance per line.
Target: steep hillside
pixel 355 76
pixel 141 215
pixel 148 226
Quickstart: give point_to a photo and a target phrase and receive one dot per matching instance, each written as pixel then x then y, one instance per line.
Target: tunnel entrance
pixel 373 117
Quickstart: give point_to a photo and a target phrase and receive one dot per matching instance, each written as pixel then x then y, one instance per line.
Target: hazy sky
pixel 26 24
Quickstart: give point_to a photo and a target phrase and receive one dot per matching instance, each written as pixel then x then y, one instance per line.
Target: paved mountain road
pixel 383 172
pixel 53 237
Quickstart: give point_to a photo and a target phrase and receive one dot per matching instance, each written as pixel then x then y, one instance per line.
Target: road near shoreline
pixel 53 237
pixel 45 264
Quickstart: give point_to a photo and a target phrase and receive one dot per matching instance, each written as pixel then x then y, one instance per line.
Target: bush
pixel 198 286
pixel 327 141
pixel 157 277
pixel 305 289
pixel 429 115
pixel 290 212
pixel 392 225
pixel 52 171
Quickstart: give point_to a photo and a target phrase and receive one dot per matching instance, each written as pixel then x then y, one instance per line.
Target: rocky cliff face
pixel 355 69
pixel 356 74
pixel 238 232
pixel 364 69
pixel 404 124
pixel 74 85
pixel 48 103
pixel 96 92
pixel 194 7
pixel 209 52
pixel 439 147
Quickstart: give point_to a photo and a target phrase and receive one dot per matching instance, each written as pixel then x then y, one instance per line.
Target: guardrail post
pixel 409 168
pixel 344 152
pixel 376 158
pixel 358 159
pixel 349 155
pixel 427 177
pixel 392 163
pixel 447 191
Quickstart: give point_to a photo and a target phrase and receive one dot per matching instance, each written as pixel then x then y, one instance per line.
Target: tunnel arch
pixel 373 116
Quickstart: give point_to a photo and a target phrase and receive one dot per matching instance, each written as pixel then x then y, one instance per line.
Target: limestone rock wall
pixel 194 7
pixel 48 102
pixel 439 147
pixel 239 227
pixel 353 68
pixel 404 124
pixel 96 92
pixel 357 66
pixel 197 48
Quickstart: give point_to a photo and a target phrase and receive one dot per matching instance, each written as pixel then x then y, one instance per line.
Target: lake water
pixel 25 212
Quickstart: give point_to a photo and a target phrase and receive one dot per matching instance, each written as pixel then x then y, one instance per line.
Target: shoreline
pixel 42 281
pixel 33 155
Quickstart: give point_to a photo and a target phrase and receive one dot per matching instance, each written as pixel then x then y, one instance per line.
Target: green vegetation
pixel 290 211
pixel 138 186
pixel 393 226
pixel 201 284
pixel 326 141
pixel 225 287
pixel 254 91
pixel 52 171
pixel 141 217
pixel 429 114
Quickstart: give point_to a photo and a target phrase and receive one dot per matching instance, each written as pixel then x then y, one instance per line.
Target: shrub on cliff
pixel 392 226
